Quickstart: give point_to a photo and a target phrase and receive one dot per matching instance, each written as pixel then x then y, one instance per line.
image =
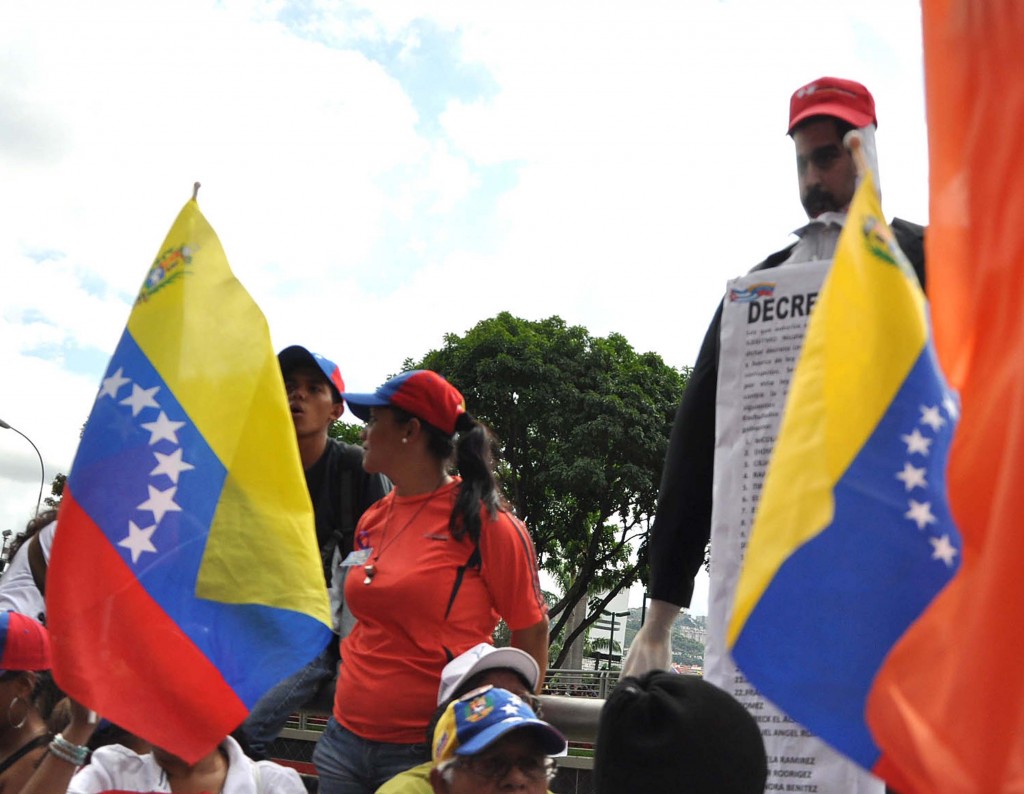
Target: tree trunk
pixel 574 660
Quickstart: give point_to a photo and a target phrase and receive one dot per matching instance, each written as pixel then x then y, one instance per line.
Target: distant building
pixel 698 633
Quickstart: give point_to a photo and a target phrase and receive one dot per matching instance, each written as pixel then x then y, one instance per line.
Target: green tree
pixel 584 422
pixel 56 492
pixel 686 650
pixel 605 649
pixel 343 431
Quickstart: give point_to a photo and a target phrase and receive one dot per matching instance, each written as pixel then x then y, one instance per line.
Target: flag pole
pixel 855 143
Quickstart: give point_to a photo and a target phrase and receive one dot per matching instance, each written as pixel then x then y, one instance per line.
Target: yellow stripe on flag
pixel 263 532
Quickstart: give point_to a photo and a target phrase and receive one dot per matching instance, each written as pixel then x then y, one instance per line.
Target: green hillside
pixel 685 649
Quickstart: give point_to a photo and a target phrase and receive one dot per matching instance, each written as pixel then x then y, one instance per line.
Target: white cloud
pixel 644 148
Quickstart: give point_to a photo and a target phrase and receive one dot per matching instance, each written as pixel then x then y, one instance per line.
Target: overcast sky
pixel 382 173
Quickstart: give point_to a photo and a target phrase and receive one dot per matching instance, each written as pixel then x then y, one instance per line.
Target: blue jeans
pixel 349 764
pixel 272 711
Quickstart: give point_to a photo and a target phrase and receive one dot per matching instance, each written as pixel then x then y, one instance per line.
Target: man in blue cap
pixel 340 491
pixel 491 740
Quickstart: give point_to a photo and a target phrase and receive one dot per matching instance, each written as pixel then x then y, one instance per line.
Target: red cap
pixel 421 392
pixel 832 96
pixel 24 643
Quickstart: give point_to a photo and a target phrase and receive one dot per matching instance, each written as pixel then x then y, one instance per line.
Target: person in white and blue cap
pixel 491 740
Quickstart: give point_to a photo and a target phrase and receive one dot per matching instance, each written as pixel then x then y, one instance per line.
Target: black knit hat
pixel 666 732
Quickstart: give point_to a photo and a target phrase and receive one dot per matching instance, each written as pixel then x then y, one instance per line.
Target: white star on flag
pixel 172 465
pixel 509 708
pixel 138 540
pixel 915 442
pixel 163 428
pixel 912 476
pixel 950 405
pixel 113 384
pixel 160 502
pixel 943 550
pixel 931 416
pixel 920 513
pixel 141 398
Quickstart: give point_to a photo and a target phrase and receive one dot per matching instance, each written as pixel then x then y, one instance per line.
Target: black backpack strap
pixel 474 561
pixel 24 750
pixel 348 490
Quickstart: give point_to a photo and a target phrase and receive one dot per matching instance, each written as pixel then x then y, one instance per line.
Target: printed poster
pixel 764 318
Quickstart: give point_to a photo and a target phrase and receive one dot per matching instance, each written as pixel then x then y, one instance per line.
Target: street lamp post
pixel 611 635
pixel 42 470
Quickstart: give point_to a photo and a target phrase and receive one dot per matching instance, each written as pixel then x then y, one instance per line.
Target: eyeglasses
pixel 496 767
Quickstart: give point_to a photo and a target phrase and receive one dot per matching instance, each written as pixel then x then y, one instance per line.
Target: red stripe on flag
pixel 102 624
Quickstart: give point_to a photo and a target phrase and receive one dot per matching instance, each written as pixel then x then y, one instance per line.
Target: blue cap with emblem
pixel 477 720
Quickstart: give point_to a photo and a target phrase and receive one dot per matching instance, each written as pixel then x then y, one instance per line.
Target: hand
pixel 651 648
pixel 649 651
pixel 82 725
pixel 53 774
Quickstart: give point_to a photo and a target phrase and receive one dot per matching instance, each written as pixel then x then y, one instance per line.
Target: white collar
pixel 825 219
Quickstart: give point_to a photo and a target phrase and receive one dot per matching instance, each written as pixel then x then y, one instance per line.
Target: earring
pixel 24 717
pixel 405 441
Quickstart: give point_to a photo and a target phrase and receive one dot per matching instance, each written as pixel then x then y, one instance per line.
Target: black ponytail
pixel 475 455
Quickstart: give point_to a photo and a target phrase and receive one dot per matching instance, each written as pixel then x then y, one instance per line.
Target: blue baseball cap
pixel 477 720
pixel 298 356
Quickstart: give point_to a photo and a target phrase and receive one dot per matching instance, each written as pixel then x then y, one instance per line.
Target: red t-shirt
pixel 409 625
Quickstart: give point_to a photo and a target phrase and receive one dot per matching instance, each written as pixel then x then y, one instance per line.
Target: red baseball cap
pixel 832 96
pixel 421 392
pixel 24 643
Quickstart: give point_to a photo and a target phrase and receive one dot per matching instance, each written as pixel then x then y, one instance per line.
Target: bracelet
pixel 74 754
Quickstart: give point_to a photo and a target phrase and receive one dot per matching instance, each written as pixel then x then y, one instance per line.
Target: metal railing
pixel 580 683
pixel 571 701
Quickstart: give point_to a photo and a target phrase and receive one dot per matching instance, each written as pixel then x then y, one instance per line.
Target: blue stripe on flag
pixel 863 580
pixel 151 483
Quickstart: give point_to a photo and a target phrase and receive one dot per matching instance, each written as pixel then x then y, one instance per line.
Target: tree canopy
pixel 344 431
pixel 584 423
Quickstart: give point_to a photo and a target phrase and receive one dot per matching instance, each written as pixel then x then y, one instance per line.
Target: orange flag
pixel 948 709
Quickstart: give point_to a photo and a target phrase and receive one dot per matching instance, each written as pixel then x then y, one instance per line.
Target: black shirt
pixel 341 491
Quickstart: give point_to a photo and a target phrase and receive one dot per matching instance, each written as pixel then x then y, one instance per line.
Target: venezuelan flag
pixel 184 580
pixel 853 536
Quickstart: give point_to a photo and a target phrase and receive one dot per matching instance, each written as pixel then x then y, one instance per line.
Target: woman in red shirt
pixel 437 563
